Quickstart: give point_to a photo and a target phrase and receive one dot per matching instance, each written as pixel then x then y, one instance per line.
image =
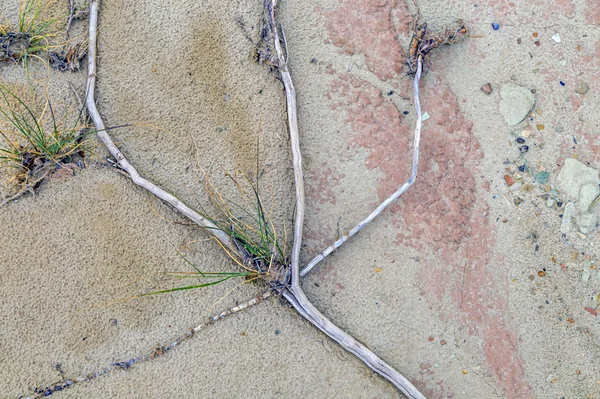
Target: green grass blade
pixel 189 287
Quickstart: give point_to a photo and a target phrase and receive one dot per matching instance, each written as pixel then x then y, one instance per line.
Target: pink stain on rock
pixel 320 185
pixel 370 27
pixel 441 212
pixel 592 12
pixel 426 383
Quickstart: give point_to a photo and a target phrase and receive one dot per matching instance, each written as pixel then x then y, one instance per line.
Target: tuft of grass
pixel 34 144
pixel 262 253
pixel 32 36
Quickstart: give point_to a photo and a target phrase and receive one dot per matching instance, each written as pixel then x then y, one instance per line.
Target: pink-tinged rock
pixel 441 212
pixel 370 27
pixel 591 311
pixel 592 12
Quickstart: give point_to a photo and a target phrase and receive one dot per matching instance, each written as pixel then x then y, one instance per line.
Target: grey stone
pixel 567 220
pixel 573 176
pixel 587 195
pixel 587 222
pixel 515 103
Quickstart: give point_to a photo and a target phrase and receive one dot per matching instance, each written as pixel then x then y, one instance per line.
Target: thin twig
pixel 290 94
pixel 118 155
pixel 391 198
pixel 295 295
pixel 71 16
pixel 29 187
pixel 157 351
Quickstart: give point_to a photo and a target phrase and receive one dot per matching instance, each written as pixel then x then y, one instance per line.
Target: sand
pixel 466 293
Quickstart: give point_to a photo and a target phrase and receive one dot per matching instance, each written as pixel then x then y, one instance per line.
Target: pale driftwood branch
pixel 118 155
pixel 391 198
pixel 295 295
pixel 290 94
pixel 157 351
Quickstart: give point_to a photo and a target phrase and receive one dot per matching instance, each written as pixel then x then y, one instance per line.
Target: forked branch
pixel 295 295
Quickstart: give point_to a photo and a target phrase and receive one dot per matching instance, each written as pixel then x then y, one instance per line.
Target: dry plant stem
pixel 391 198
pixel 156 352
pixel 309 312
pixel 290 94
pixel 116 153
pixel 29 187
pixel 295 295
pixel 70 21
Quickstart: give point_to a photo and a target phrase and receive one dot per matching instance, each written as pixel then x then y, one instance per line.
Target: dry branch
pixel 295 295
pixel 118 155
pixel 391 198
pixel 157 351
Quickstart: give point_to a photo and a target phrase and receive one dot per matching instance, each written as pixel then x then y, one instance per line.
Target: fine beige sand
pixel 446 286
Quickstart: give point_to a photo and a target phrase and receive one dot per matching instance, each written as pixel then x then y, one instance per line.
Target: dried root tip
pixel 421 45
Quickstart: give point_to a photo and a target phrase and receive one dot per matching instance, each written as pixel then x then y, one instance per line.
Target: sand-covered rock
pixel 516 102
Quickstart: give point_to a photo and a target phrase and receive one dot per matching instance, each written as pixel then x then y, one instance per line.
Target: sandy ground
pixel 466 286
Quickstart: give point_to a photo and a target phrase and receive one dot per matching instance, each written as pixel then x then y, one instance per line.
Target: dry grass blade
pixel 33 144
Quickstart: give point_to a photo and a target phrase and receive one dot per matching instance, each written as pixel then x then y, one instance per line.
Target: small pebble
pixel 522 168
pixel 487 88
pixel 425 116
pixel 556 37
pixel 509 180
pixel 534 34
pixel 542 273
pixel 540 127
pixel 443 342
pixel 583 88
pixel 520 140
pixel 465 372
pixel 495 25
pixel 405 112
pixel 518 40
pixel 277 332
pixel 542 177
pixel 524 149
pixel 562 83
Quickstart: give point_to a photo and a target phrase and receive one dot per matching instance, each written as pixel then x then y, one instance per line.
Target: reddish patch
pixel 591 311
pixel 441 212
pixel 370 27
pixel 66 170
pixel 426 383
pixel 320 185
pixel 592 12
pixel 584 69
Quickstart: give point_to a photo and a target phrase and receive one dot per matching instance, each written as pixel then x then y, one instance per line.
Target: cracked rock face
pixel 515 104
pixel 573 176
pixel 581 185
